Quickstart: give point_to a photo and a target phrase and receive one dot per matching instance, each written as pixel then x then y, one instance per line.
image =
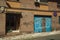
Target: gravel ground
pixel 36 36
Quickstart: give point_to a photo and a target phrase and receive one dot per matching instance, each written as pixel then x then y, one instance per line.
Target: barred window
pixel 12 0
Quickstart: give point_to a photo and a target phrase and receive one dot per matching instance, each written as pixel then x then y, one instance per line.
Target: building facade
pixel 29 16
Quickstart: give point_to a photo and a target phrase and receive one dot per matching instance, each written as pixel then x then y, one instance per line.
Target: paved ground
pixel 52 37
pixel 36 36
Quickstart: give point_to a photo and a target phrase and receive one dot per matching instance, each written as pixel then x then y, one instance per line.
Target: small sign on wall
pixel 55 13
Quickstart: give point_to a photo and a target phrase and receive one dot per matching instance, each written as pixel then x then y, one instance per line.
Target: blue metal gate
pixel 37 24
pixel 48 24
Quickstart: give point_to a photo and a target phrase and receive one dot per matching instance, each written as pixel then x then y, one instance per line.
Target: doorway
pixel 12 22
pixel 42 23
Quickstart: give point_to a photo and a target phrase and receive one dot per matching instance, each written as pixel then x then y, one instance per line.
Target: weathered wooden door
pixel 48 23
pixel 37 24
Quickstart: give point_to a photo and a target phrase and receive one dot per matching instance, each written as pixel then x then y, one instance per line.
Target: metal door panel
pixel 37 24
pixel 48 24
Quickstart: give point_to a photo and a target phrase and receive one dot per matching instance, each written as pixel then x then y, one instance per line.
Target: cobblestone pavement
pixel 36 36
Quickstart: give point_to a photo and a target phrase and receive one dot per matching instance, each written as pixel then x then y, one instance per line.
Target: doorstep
pixel 14 32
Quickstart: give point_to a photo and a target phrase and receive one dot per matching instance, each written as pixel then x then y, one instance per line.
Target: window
pixel 17 0
pixel 59 19
pixel 13 0
pixel 45 1
pixel 37 0
pixel 37 3
pixel 52 0
pixel 58 2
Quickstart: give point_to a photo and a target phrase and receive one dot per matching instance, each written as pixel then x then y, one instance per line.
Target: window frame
pixel 14 0
pixel 40 1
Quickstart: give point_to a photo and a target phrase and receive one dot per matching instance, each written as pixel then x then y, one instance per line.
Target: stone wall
pixel 27 22
pixel 2 24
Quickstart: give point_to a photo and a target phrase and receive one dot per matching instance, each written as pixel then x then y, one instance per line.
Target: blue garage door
pixel 48 24
pixel 38 24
